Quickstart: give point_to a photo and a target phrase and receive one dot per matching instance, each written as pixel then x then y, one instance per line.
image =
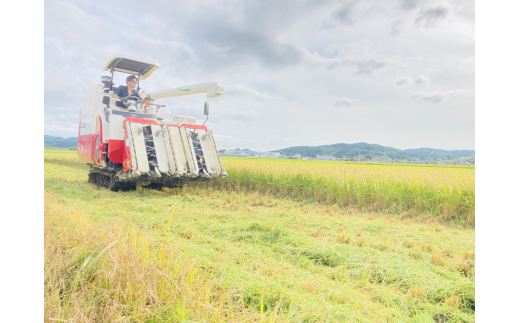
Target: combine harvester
pixel 128 144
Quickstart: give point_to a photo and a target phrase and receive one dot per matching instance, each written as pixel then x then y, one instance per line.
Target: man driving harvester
pixel 128 90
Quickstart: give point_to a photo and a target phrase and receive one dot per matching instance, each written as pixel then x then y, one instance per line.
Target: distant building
pixel 272 155
pixel 298 156
pixel 233 153
pixel 241 154
pixel 325 157
pixel 227 153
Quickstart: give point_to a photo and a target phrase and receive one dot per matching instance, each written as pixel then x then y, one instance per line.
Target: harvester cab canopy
pixel 131 65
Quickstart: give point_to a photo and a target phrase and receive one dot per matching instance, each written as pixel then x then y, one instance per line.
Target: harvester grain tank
pixel 127 143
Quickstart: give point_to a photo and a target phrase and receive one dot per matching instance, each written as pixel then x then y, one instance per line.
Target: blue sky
pixel 398 73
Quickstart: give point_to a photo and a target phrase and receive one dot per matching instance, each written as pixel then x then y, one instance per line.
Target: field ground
pixel 204 254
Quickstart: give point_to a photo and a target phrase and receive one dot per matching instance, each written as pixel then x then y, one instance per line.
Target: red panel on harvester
pixel 192 126
pixel 115 150
pixel 138 120
pixel 85 148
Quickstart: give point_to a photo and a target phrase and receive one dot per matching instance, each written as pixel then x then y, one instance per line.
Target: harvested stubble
pixel 113 271
pixel 241 257
pixel 445 192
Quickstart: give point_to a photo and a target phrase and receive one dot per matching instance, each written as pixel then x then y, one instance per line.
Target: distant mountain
pixel 52 138
pixel 423 153
pixel 60 142
pixel 373 150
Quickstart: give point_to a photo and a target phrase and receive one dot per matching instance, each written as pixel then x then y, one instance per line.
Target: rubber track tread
pixel 109 179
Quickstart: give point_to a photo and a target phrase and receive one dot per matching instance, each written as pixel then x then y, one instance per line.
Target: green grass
pixel 252 256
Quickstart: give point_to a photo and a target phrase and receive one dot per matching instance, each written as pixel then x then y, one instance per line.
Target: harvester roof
pixel 128 64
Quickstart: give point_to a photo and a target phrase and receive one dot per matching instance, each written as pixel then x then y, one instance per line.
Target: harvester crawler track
pixel 109 179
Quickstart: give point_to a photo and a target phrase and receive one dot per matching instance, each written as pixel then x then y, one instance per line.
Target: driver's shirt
pixel 122 91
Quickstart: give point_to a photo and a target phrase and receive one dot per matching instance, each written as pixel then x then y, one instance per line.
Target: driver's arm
pixel 116 94
pixel 139 96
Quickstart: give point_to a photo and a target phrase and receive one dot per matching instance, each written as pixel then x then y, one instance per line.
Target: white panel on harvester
pixel 189 152
pixel 160 149
pixel 136 130
pixel 178 149
pixel 129 143
pixel 170 153
pixel 209 151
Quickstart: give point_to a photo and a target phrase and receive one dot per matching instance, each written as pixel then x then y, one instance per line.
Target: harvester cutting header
pixel 127 143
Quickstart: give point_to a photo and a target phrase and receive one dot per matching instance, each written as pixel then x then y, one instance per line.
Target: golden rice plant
pixel 446 192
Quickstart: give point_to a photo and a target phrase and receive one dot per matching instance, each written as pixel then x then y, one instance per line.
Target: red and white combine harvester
pixel 128 143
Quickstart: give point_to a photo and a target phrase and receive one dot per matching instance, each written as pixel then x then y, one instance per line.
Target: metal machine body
pixel 134 145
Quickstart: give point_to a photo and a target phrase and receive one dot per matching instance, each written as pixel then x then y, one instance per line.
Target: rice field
pixel 445 192
pixel 227 252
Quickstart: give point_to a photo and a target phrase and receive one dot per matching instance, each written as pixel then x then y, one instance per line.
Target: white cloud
pixel 421 80
pixel 223 115
pixel 342 15
pixel 364 56
pixel 240 89
pixel 435 97
pixel 230 139
pixel 402 80
pixel 223 137
pixel 429 17
pixel 345 102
